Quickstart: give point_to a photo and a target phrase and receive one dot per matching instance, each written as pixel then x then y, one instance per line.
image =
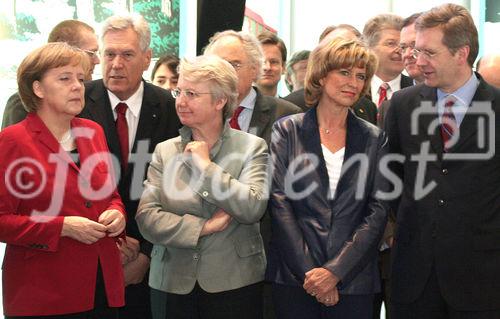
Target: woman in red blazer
pixel 60 214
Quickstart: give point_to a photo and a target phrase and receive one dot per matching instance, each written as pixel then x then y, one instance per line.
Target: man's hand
pixel 135 270
pixel 129 249
pixel 217 223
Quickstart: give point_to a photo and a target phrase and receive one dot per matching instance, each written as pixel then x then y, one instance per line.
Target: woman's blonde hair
pixel 38 62
pixel 333 55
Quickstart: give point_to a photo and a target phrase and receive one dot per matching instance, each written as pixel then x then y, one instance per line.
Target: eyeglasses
pixel 92 54
pixel 403 47
pixel 187 93
pixel 236 65
pixel 127 56
pixel 426 54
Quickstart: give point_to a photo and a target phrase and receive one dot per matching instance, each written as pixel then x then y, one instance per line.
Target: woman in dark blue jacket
pixel 326 213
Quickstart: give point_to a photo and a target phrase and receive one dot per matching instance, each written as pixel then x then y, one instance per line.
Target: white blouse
pixel 334 166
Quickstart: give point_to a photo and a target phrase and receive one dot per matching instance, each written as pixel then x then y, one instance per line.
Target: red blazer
pixel 44 273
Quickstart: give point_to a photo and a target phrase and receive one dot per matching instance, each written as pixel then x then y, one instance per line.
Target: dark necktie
pixel 233 122
pixel 448 123
pixel 382 93
pixel 122 130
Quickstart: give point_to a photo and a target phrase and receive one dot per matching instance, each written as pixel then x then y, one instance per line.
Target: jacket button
pixel 196 256
pixel 88 204
pixel 445 171
pixel 205 194
pixel 440 202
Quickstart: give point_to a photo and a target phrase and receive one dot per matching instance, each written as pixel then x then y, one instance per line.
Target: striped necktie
pixel 448 123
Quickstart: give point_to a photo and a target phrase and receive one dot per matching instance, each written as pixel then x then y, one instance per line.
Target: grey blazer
pixel 177 201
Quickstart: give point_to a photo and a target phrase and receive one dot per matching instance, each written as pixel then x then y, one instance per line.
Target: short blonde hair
pixel 333 55
pixel 219 74
pixel 38 62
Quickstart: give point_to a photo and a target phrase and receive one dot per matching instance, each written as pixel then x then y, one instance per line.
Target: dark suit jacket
pixel 268 110
pixel 158 122
pixel 363 108
pixel 44 273
pixel 382 110
pixel 340 234
pixel 453 230
pixel 14 111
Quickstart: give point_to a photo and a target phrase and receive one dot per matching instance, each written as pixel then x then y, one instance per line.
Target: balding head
pixel 489 68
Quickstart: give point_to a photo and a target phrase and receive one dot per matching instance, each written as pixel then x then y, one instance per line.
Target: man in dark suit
pixel 75 33
pixel 363 108
pixel 149 117
pixel 446 252
pixel 245 53
pixel 406 45
pixel 382 34
pixel 257 112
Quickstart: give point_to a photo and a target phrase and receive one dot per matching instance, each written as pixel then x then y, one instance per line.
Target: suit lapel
pixel 45 137
pixel 98 107
pixel 148 117
pixel 429 120
pixel 311 142
pixel 261 115
pixel 469 126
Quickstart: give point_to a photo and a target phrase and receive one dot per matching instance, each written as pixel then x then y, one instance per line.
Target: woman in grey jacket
pixel 203 199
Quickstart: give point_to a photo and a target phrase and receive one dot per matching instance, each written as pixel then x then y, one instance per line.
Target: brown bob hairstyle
pixel 333 55
pixel 38 62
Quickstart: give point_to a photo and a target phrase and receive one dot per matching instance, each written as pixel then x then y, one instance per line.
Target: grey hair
pixel 373 27
pixel 134 21
pixel 218 73
pixel 250 44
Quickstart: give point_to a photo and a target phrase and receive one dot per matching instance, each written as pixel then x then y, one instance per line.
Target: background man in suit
pixel 75 33
pixel 446 256
pixel 382 34
pixel 363 108
pixel 274 62
pixel 406 45
pixel 244 52
pixel 296 70
pixel 489 68
pixel 256 112
pixel 132 112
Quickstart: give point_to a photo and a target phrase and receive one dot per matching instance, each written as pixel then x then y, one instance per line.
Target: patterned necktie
pixel 382 93
pixel 122 130
pixel 448 123
pixel 233 122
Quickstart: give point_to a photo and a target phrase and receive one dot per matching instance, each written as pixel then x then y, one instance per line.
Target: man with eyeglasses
pixel 75 33
pixel 382 34
pixel 135 116
pixel 446 249
pixel 406 46
pixel 274 62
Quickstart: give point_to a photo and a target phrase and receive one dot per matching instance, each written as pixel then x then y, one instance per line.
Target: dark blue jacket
pixel 339 233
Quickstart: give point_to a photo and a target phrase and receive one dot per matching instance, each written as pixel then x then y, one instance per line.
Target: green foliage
pixel 26 27
pixel 164 30
pixel 101 13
